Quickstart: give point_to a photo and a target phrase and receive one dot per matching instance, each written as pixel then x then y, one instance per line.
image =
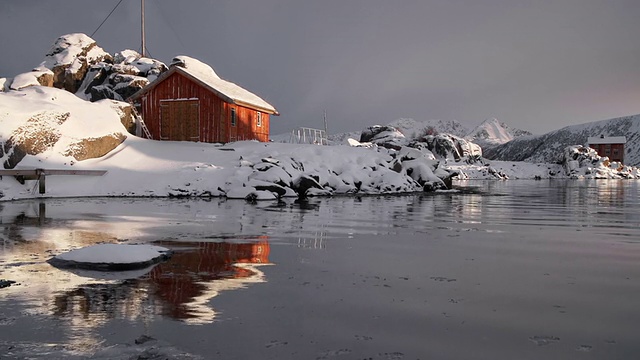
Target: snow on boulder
pixel 39 76
pixel 49 123
pixel 112 257
pixel 5 83
pixel 584 162
pixel 94 147
pixel 38 134
pixel 449 147
pixel 385 136
pixel 70 58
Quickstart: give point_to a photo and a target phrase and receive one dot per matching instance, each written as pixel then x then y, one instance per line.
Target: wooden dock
pixel 40 174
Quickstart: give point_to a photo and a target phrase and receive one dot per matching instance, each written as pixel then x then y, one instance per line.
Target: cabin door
pixel 180 120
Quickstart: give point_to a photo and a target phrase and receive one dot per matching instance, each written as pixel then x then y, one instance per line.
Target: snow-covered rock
pixel 110 257
pixel 53 123
pixel 36 77
pixel 386 136
pixel 70 57
pixel 450 147
pixel 584 162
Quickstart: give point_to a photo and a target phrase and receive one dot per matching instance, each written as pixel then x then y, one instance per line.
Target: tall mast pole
pixel 144 45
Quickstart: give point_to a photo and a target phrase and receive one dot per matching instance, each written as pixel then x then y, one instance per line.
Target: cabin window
pixel 233 117
pixel 259 119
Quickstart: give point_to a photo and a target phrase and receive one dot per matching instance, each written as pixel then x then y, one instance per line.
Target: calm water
pixel 500 270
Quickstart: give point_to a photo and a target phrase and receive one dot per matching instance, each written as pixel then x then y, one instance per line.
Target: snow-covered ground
pixel 56 122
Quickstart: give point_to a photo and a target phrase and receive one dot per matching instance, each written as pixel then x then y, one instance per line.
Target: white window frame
pixel 259 119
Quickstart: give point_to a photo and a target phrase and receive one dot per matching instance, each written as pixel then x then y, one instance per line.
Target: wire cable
pixel 105 19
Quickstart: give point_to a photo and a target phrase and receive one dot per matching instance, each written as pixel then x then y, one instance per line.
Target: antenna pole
pixel 143 36
pixel 326 131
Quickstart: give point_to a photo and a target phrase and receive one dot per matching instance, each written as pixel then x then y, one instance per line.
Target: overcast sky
pixel 534 64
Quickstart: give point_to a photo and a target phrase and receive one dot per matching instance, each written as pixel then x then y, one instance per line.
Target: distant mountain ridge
pixel 549 147
pixel 491 132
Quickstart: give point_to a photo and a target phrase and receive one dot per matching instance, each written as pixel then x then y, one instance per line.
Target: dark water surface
pixel 500 270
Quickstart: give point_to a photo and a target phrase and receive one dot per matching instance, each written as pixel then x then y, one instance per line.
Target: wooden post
pixel 42 213
pixel 41 180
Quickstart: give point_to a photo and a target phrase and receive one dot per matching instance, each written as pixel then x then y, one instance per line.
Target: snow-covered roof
pixel 594 140
pixel 206 76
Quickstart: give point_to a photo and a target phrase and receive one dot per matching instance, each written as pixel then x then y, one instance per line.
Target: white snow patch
pixel 114 254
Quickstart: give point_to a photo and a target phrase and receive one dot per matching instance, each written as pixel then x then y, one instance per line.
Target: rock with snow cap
pixel 112 257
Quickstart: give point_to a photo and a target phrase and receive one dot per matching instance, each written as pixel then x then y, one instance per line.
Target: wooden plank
pixel 36 172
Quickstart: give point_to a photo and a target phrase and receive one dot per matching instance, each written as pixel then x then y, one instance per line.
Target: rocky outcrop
pixel 120 80
pixel 440 146
pixel 450 147
pixel 70 58
pixel 77 64
pixel 126 113
pixel 385 136
pixel 90 148
pixel 38 134
pixel 39 76
pixel 403 171
pixel 584 162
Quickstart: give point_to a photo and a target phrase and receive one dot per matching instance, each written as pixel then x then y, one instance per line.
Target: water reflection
pixel 226 240
pixel 180 288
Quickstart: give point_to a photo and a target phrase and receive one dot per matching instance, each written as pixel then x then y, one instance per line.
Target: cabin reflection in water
pixel 181 288
pixel 197 272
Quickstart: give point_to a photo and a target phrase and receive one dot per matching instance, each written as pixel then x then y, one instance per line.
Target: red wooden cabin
pixel 190 102
pixel 609 146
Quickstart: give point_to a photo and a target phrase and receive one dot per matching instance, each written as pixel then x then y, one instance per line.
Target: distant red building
pixel 190 102
pixel 609 146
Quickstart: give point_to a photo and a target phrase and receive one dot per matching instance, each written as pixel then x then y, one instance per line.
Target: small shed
pixel 190 102
pixel 609 146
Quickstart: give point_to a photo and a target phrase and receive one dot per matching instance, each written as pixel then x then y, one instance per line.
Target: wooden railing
pixel 40 174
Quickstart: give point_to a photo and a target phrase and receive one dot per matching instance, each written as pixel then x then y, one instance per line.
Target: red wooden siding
pixel 167 110
pixel 615 152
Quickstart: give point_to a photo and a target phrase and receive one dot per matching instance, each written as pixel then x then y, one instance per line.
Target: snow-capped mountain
pixel 413 128
pixel 492 132
pixel 548 147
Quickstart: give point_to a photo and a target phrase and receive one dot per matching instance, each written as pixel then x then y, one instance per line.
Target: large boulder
pixel 386 136
pixel 126 113
pixel 39 133
pixel 37 77
pixel 450 147
pixel 118 81
pixel 70 58
pixel 90 148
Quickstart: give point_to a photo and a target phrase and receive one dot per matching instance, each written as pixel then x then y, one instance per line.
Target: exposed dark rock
pixel 304 183
pixel 104 92
pixel 6 283
pixel 274 188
